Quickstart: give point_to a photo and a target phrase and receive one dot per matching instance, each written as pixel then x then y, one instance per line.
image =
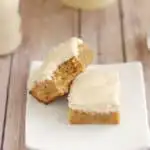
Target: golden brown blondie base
pixel 45 91
pixel 80 117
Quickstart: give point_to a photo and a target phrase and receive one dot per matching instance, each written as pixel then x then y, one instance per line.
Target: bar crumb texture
pixel 52 83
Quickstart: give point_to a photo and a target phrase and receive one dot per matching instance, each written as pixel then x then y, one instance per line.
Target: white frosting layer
pixel 55 58
pixel 95 91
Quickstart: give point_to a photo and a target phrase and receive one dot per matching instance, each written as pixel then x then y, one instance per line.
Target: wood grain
pixel 44 24
pixel 4 83
pixel 102 30
pixel 136 24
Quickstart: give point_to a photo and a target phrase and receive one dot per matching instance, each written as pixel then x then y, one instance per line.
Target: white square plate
pixel 47 127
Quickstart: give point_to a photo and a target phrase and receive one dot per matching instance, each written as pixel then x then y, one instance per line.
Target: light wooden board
pixel 4 83
pixel 136 23
pixel 102 30
pixel 45 24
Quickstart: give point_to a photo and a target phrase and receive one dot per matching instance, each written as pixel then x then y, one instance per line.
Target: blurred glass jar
pixel 10 21
pixel 87 4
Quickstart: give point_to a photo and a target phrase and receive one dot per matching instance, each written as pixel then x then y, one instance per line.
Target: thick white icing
pixel 55 58
pixel 95 91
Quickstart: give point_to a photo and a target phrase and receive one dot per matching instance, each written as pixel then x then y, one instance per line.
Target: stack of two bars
pixel 93 96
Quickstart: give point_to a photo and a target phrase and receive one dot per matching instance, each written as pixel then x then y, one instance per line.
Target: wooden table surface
pixel 117 34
